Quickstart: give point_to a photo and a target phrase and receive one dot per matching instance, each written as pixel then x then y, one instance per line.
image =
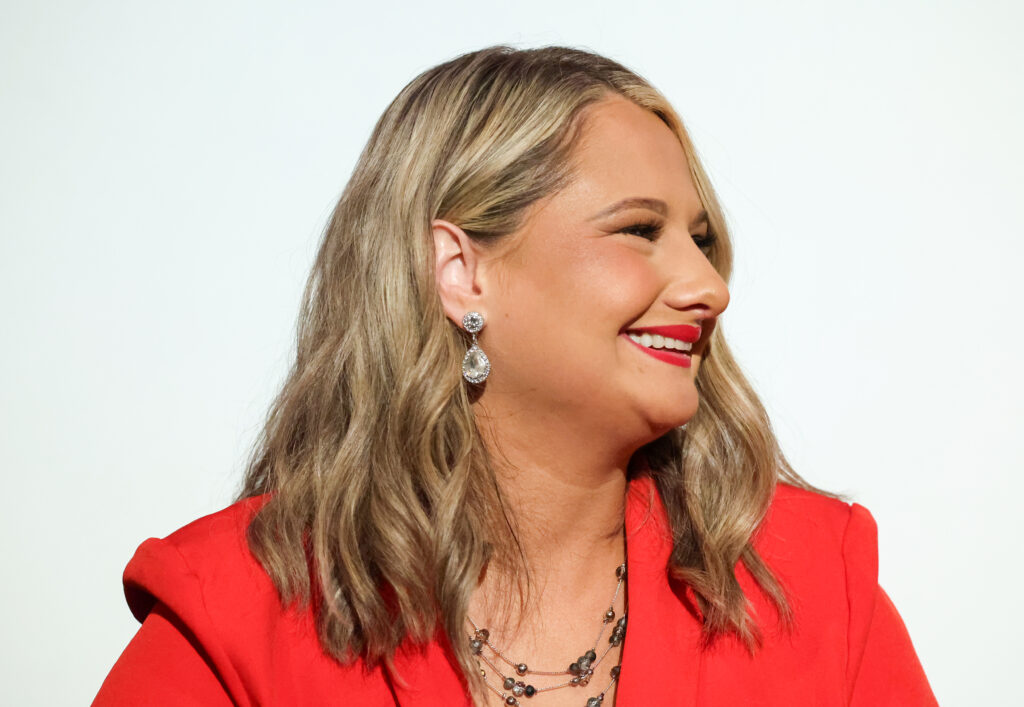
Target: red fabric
pixel 213 631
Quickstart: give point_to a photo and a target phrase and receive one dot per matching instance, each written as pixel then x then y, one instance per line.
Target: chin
pixel 662 421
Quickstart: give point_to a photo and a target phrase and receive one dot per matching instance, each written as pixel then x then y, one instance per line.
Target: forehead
pixel 627 151
pixel 624 151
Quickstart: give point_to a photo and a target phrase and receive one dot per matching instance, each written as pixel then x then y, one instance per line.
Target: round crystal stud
pixel 473 322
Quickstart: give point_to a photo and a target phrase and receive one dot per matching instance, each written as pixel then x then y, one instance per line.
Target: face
pixel 619 251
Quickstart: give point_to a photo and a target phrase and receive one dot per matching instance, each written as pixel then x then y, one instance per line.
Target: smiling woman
pixel 514 424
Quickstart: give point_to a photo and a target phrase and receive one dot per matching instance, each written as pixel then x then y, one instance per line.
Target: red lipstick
pixel 683 332
pixel 676 358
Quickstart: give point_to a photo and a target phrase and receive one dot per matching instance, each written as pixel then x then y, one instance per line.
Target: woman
pixel 512 426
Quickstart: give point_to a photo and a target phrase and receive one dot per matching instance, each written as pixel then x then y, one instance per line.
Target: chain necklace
pixel 578 673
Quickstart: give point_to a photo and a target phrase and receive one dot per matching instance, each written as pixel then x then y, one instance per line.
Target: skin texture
pixel 569 400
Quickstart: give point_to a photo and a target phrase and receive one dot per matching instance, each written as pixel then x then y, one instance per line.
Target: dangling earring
pixel 475 364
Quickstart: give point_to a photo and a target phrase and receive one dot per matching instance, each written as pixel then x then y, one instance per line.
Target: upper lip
pixel 683 332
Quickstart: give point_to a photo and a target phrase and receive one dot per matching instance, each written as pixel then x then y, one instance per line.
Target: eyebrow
pixel 656 205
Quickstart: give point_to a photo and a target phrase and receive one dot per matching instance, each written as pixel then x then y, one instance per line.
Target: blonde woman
pixel 515 462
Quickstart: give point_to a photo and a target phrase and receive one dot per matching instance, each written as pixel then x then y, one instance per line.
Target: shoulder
pixel 809 532
pixel 825 551
pixel 203 559
pixel 816 520
pixel 226 606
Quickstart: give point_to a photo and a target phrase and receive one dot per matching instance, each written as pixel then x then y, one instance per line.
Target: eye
pixel 649 230
pixel 704 241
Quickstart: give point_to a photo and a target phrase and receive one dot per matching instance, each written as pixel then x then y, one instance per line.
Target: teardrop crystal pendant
pixel 475 365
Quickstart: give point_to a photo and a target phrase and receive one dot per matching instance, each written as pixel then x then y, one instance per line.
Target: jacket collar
pixel 662 641
pixel 663 634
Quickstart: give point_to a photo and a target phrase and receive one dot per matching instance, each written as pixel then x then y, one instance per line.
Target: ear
pixel 456 261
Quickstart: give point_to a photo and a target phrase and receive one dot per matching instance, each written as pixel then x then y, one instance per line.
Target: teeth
pixel 656 341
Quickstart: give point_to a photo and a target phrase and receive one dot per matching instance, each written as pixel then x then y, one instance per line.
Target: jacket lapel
pixel 661 655
pixel 427 676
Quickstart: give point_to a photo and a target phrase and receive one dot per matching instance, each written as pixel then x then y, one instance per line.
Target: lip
pixel 676 358
pixel 683 332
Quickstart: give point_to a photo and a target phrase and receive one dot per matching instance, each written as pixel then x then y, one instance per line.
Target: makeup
pixel 676 358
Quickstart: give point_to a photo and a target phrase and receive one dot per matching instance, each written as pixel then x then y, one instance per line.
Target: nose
pixel 693 284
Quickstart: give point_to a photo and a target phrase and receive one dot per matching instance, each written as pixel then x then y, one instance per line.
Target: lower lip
pixel 676 358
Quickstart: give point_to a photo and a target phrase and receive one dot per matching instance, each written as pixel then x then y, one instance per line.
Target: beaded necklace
pixel 578 673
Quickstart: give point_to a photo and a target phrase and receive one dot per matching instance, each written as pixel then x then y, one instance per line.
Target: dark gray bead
pixel 609 616
pixel 530 691
pixel 584 664
pixel 521 668
pixel 594 702
pixel 574 668
pixel 510 700
pixel 509 682
pixel 591 656
pixel 476 646
pixel 615 672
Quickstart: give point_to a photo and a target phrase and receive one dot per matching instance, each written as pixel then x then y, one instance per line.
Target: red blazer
pixel 214 633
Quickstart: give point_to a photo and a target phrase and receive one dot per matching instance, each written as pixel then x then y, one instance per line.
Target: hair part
pixel 384 506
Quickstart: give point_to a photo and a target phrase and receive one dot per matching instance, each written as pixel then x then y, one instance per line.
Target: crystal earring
pixel 475 364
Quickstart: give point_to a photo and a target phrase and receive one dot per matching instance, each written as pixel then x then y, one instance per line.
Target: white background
pixel 166 169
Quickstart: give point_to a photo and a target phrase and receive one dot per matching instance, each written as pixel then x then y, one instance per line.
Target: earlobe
pixel 455 269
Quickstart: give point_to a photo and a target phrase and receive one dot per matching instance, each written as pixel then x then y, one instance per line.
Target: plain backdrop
pixel 166 170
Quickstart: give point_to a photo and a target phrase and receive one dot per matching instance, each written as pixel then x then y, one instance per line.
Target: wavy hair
pixel 383 504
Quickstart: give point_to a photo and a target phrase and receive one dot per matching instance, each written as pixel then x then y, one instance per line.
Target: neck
pixel 565 487
pixel 565 490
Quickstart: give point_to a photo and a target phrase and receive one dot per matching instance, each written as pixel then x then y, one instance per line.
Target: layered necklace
pixel 578 674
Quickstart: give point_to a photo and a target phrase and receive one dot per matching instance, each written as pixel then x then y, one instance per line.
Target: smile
pixel 655 341
pixel 665 349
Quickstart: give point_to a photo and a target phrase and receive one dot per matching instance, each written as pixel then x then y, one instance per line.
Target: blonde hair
pixel 384 506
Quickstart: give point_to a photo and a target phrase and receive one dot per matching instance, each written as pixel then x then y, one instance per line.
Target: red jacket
pixel 214 633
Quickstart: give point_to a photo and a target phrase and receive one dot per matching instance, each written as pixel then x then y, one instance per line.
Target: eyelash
pixel 651 231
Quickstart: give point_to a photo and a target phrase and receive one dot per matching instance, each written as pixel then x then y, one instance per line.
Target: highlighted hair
pixel 384 507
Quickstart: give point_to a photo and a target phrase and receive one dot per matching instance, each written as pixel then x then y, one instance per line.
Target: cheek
pixel 616 284
pixel 561 314
pixel 576 293
pixel 580 297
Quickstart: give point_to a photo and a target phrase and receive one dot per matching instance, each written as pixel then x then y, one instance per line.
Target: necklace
pixel 578 673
